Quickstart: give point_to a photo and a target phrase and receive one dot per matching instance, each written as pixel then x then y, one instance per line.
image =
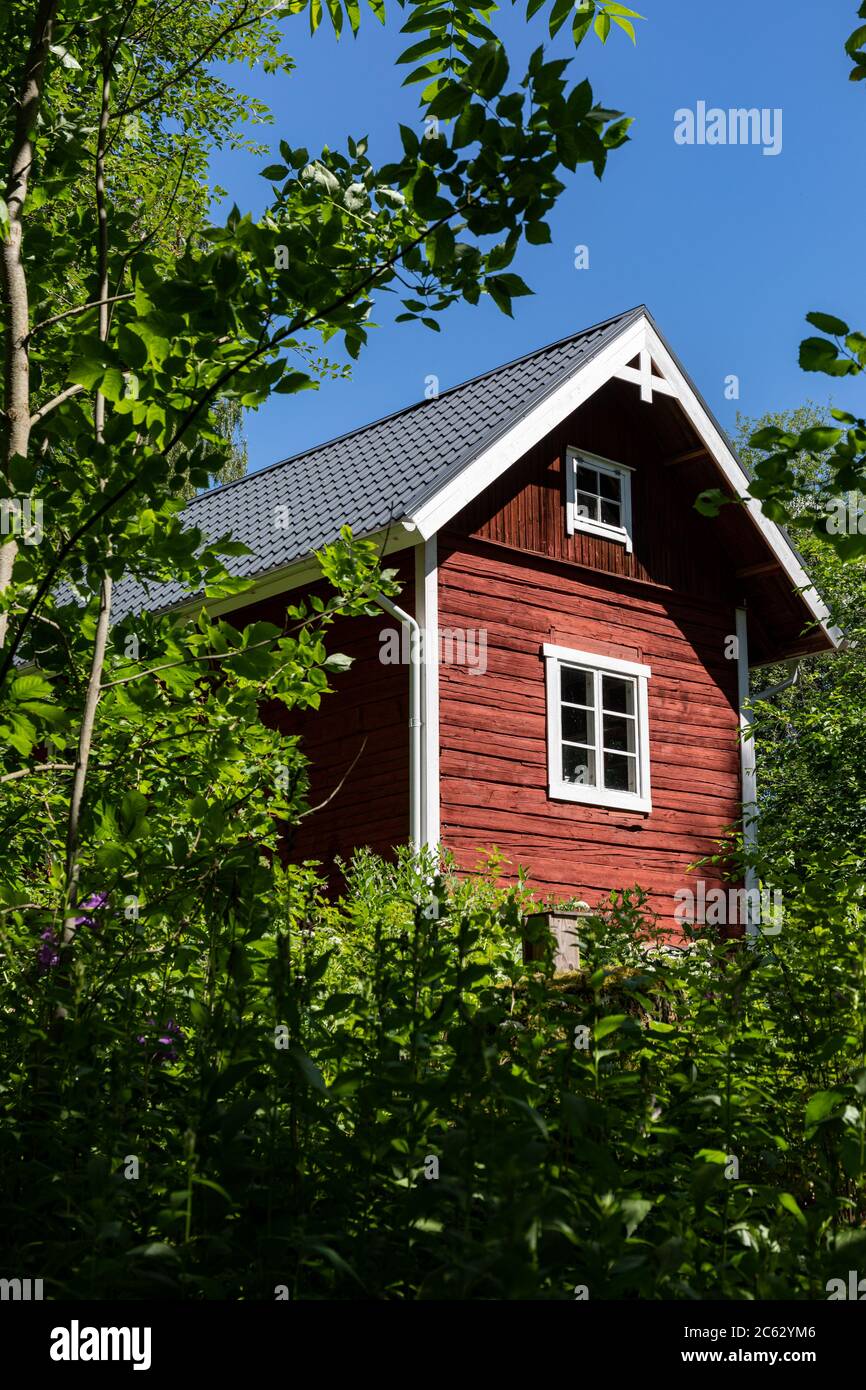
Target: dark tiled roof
pixel 375 474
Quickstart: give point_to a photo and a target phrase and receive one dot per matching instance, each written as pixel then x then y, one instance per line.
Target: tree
pixel 133 335
pixel 811 769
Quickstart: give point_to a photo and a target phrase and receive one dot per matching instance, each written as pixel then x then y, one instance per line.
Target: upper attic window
pixel 598 497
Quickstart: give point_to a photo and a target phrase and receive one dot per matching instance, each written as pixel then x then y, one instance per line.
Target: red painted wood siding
pixel 369 701
pixel 508 566
pixel 674 546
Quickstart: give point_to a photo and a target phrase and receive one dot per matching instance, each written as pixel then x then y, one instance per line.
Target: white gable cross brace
pixel 643 377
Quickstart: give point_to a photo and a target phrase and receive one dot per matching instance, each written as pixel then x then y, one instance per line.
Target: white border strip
pixel 639 337
pixel 557 790
pixel 733 471
pixel 613 664
pixel 427 615
pixel 493 462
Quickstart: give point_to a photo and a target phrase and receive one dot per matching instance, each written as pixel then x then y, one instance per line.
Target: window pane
pixel 619 733
pixel 611 514
pixel 620 772
pixel 578 725
pixel 609 486
pixel 576 685
pixel 587 479
pixel 578 766
pixel 587 505
pixel 617 694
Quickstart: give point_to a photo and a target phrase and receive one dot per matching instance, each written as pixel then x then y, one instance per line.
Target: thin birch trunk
pixel 103 622
pixel 13 277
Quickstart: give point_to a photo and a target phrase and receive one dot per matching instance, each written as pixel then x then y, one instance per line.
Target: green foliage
pixel 379 1098
pixel 811 748
pixel 214 1081
pixel 175 327
pixel 150 935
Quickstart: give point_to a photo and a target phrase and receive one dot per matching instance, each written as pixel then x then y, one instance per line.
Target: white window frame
pixel 574 521
pixel 555 658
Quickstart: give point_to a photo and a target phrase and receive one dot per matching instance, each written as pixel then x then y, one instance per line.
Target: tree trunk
pixel 13 278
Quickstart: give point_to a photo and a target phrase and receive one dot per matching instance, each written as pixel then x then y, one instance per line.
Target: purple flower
pixel 168 1041
pixel 48 956
pixel 96 900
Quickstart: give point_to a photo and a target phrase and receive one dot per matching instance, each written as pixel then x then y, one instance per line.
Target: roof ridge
pixel 417 405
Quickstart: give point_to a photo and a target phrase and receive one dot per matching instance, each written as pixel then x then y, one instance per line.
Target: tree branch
pixel 32 771
pixel 263 345
pixel 78 309
pixel 339 787
pixel 206 656
pixel 55 401
pixel 234 27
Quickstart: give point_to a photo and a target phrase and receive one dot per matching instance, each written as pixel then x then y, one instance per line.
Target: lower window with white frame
pixel 597 729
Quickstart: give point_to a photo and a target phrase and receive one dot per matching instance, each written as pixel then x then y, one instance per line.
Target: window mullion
pixel 599 730
pixel 562 704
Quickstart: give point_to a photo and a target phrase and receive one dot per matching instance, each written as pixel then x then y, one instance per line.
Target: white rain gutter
pixel 783 685
pixel 415 720
pixel 748 787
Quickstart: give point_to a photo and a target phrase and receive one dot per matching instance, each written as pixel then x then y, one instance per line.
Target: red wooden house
pixel 587 634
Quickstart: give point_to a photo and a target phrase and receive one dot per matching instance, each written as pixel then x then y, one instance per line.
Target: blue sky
pixel 730 248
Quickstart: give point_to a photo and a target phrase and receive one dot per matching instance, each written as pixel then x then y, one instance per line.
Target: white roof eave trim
pixel 638 337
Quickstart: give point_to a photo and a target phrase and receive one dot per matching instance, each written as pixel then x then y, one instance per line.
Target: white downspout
pixel 748 787
pixel 415 720
pixel 783 685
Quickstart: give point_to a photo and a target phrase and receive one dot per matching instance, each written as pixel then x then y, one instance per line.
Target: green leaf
pixel 710 502
pixel 820 355
pixel 337 661
pixel 608 1025
pixel 856 41
pixel 214 1186
pixel 31 687
pixel 537 233
pixel 634 1211
pixel 293 382
pixel 827 323
pixel 513 285
pixel 488 70
pixel 580 26
pixel 790 1204
pixel 822 1105
pixel 425 197
pixel 308 1069
pixel 559 14
pixel 770 437
pixel 819 438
